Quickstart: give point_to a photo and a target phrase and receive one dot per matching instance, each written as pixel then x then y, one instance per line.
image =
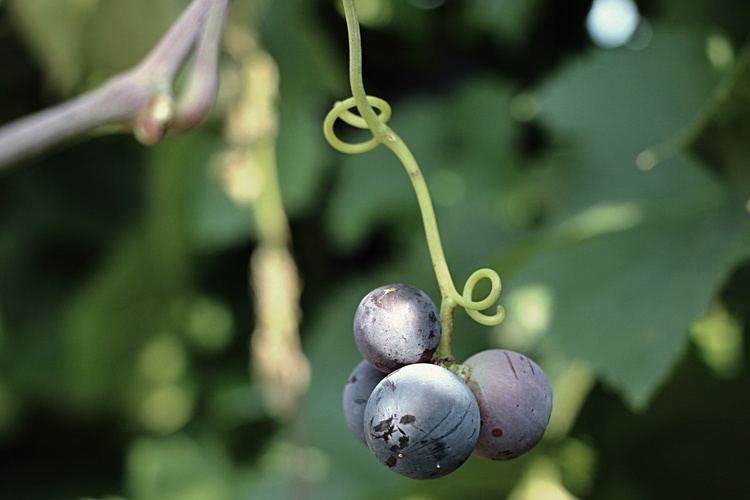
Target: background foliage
pixel 607 186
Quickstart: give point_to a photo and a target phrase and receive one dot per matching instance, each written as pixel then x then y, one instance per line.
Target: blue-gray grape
pixel 422 421
pixel 515 402
pixel 362 381
pixel 396 325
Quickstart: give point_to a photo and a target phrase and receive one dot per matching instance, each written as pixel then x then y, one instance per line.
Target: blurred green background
pixel 604 178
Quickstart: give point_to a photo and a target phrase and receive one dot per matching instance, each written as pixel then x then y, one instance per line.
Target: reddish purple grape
pixel 515 402
pixel 396 325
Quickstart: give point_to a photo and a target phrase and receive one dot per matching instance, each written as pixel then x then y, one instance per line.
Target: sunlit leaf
pixel 624 301
pixel 625 287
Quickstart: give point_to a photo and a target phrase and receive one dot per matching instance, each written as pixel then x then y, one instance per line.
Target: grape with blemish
pixel 396 325
pixel 422 421
pixel 515 402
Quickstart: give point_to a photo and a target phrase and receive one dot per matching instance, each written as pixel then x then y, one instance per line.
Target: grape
pixel 422 421
pixel 396 325
pixel 358 388
pixel 515 401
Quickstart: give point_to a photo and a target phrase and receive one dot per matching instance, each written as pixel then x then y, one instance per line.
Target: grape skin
pixel 396 325
pixel 515 402
pixel 357 390
pixel 422 421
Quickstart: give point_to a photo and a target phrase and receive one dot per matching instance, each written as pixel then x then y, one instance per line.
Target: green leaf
pixel 216 221
pixel 178 468
pixel 633 257
pixel 54 30
pixel 623 301
pixel 120 34
pixel 720 138
pixel 614 105
pixel 84 42
pixel 311 79
pixel 508 20
pixel 134 295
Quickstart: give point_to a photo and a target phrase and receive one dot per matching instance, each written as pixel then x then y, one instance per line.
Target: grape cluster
pixel 420 419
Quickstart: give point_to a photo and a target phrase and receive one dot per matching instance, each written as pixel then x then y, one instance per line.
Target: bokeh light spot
pixel 209 324
pixel 166 409
pixel 371 13
pixel 718 337
pixel 163 359
pixel 530 307
pixel 524 107
pixel 719 51
pixel 612 23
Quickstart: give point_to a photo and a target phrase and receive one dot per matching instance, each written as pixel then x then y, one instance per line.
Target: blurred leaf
pixel 216 222
pixel 302 154
pixel 725 16
pixel 178 468
pixel 310 80
pixel 110 322
pixel 463 145
pixel 624 301
pixel 608 108
pixel 694 403
pixel 721 137
pixel 53 230
pixel 373 189
pixel 91 41
pixel 120 34
pixel 133 296
pixel 626 284
pixel 507 20
pixel 55 30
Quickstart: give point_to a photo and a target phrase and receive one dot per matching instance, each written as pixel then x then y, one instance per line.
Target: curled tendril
pixel 473 307
pixel 341 111
pixel 373 115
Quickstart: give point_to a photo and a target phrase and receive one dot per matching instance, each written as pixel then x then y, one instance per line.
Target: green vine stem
pixel 375 121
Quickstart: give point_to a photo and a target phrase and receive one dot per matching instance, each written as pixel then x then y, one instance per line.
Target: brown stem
pixel 140 99
pixel 197 97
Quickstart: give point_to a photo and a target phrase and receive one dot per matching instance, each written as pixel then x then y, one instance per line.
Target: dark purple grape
pixel 357 391
pixel 422 421
pixel 515 401
pixel 396 325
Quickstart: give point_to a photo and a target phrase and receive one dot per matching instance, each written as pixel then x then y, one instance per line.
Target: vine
pixel 374 114
pixel 140 100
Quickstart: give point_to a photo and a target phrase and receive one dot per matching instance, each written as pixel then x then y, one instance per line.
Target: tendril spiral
pixel 341 111
pixel 373 113
pixel 473 308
